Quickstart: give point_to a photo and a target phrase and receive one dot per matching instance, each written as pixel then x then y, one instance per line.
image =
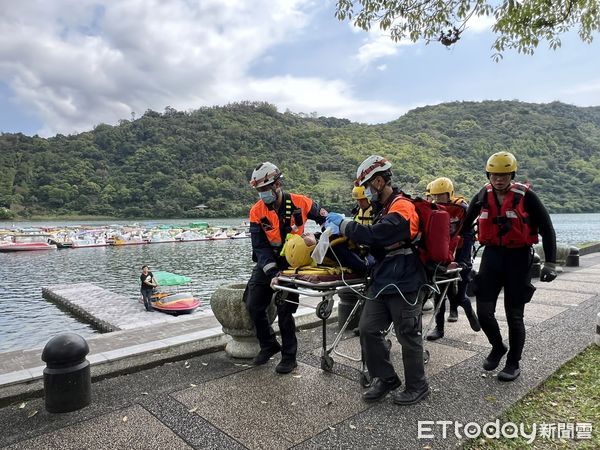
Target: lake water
pixel 27 320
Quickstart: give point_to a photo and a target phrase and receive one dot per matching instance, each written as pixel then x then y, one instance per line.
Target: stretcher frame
pixel 440 276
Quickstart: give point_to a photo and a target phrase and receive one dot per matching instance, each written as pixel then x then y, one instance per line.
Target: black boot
pixel 286 365
pixel 453 316
pixel 493 359
pixel 410 397
pixel 510 372
pixel 435 334
pixel 265 354
pixel 380 388
pixel 473 321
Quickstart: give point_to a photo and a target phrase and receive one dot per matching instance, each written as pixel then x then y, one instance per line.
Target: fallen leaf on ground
pixel 490 398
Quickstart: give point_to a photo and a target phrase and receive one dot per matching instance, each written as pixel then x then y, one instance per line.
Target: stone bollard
pixel 228 306
pixel 536 267
pixel 67 378
pixel 572 259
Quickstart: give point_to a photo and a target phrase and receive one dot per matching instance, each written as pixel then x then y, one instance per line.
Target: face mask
pixel 267 197
pixel 371 196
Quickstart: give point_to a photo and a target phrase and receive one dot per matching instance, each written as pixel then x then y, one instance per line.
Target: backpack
pixel 434 243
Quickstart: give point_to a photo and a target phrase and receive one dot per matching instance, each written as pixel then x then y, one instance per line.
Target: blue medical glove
pixel 334 218
pixel 548 272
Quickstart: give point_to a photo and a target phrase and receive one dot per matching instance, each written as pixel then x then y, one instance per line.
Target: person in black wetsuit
pixel 509 218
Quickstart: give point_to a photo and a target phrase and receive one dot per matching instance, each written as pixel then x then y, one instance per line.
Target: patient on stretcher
pixel 342 257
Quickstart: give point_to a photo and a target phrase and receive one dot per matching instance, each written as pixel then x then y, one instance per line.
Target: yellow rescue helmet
pixel 501 162
pixel 297 253
pixel 358 192
pixel 428 189
pixel 441 185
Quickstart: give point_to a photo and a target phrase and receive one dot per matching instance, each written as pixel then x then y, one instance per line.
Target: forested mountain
pixel 163 165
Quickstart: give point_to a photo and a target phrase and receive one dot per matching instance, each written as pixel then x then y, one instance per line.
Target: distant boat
pixel 89 241
pixel 190 235
pixel 158 237
pixel 219 235
pixel 128 240
pixel 27 242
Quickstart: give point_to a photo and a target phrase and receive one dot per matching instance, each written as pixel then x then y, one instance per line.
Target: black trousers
pixel 456 298
pixel 376 317
pixel 258 297
pixel 509 269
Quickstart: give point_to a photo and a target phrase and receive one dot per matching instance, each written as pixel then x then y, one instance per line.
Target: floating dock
pixel 104 309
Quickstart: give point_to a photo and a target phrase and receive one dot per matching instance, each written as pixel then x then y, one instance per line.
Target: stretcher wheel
pixel 365 379
pixel 278 298
pixel 425 356
pixel 324 309
pixel 326 363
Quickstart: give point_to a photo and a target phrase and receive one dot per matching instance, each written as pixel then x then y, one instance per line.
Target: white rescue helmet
pixel 264 174
pixel 369 167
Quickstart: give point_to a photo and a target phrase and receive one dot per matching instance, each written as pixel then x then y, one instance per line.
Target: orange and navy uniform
pixel 268 228
pixel 389 238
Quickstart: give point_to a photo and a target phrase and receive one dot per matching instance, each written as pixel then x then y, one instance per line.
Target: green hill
pixel 162 165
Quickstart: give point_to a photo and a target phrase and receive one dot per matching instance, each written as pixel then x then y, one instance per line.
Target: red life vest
pixel 510 226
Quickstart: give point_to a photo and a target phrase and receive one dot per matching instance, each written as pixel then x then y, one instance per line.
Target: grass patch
pixel 570 396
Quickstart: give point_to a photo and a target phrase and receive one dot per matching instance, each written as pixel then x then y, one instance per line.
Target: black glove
pixel 548 272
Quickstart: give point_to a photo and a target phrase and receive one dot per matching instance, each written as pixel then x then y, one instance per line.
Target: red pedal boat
pixel 172 296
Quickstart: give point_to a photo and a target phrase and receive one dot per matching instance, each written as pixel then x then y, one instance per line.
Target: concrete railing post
pixel 228 306
pixel 67 378
pixel 572 259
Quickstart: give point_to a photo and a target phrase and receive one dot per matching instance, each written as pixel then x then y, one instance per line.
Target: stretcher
pixel 440 278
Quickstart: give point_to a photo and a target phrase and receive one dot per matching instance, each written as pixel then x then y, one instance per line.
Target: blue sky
pixel 68 65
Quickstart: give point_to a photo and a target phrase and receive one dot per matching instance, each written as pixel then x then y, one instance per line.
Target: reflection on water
pixel 27 320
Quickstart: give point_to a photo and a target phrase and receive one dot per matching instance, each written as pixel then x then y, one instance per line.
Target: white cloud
pixel 378 44
pixel 328 98
pixel 76 64
pixel 480 24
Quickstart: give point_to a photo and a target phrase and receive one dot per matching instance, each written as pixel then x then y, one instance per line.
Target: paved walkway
pixel 212 401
